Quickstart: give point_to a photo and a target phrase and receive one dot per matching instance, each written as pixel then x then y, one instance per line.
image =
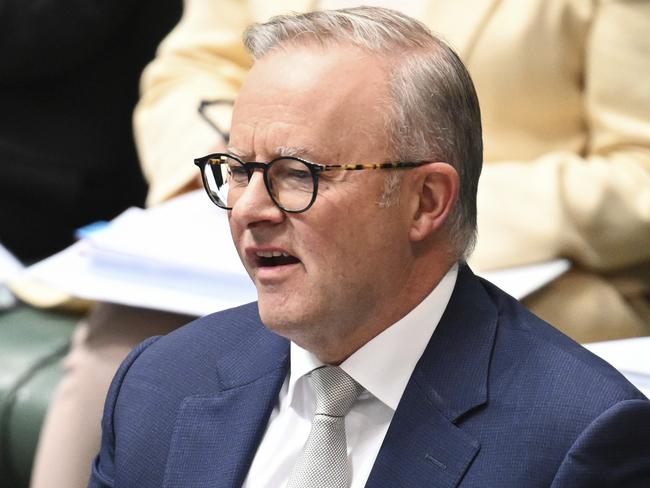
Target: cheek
pixel 340 253
pixel 235 234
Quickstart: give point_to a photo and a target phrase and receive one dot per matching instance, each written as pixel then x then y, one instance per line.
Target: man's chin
pixel 272 308
pixel 280 316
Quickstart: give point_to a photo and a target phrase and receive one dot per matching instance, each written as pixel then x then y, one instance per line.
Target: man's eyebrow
pixel 295 151
pixel 278 152
pixel 241 154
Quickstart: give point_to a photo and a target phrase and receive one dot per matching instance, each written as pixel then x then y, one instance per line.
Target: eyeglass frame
pixel 315 170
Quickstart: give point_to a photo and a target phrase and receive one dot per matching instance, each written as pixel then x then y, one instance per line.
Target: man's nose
pixel 255 204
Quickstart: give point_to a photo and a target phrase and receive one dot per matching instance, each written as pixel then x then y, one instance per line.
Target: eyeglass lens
pixel 289 181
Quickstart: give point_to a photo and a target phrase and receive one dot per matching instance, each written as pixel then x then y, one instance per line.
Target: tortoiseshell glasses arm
pixel 352 167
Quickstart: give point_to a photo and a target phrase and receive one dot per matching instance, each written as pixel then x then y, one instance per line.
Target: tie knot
pixel 335 390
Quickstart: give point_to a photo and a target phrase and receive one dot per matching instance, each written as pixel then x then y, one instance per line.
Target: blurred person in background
pixel 68 84
pixel 567 152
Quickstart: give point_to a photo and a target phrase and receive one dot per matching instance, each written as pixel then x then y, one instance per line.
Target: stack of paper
pixel 177 257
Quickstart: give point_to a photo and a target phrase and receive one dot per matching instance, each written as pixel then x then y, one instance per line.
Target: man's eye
pixel 237 173
pixel 237 170
pixel 297 174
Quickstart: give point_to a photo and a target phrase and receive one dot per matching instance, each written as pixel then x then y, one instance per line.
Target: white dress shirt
pixel 382 366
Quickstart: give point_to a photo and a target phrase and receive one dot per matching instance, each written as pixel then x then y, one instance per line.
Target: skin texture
pixel 361 267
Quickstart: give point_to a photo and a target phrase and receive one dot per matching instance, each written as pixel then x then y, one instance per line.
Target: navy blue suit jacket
pixel 498 399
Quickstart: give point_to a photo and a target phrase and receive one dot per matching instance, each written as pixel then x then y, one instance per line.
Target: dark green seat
pixel 32 345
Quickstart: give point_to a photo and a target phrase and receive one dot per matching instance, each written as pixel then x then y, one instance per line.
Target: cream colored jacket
pixel 564 87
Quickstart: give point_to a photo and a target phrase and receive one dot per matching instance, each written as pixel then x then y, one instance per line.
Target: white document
pixel 177 257
pixel 180 257
pixel 9 265
pixel 630 356
pixel 521 281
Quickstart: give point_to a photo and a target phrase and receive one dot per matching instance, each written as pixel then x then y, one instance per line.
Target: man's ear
pixel 436 189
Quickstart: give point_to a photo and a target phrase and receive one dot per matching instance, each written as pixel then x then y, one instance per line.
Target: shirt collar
pixel 383 366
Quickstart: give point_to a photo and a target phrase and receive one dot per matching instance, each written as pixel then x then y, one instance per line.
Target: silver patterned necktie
pixel 324 459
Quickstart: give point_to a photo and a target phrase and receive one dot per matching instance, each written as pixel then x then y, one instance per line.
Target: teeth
pixel 271 254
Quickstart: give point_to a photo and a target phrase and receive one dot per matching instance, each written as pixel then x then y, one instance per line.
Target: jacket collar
pixel 453 371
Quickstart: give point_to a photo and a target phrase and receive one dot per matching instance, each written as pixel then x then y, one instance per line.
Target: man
pixel 373 357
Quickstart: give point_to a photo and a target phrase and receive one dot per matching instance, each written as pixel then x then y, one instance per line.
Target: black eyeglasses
pixel 291 182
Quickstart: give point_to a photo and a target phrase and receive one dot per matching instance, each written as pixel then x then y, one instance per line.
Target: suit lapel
pixel 422 447
pixel 424 443
pixel 216 436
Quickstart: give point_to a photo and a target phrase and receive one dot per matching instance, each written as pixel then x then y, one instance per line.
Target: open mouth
pixel 265 259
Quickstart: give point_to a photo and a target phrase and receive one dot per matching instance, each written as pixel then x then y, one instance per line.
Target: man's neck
pixel 334 350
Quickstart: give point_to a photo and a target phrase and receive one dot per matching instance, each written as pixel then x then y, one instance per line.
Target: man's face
pixel 347 256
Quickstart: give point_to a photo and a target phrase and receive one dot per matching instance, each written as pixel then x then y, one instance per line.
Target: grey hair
pixel 434 114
